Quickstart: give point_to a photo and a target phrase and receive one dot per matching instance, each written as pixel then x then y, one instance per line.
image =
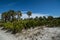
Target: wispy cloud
pixel 10 4
pixel 33 14
pixel 24 11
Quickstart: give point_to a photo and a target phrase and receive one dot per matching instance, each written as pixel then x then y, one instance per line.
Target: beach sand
pixel 6 35
pixel 33 34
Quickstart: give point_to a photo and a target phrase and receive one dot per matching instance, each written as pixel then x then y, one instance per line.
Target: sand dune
pixel 38 34
pixel 33 34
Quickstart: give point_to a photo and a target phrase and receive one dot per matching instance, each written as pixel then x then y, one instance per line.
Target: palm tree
pixel 12 14
pixel 40 18
pixel 29 13
pixel 44 17
pixel 19 14
pixel 50 17
pixel 36 18
pixel 4 16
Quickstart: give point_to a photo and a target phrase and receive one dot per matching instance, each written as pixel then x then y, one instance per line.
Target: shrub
pixel 8 25
pixel 17 26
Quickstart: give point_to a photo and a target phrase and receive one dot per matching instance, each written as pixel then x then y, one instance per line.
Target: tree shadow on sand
pixel 57 37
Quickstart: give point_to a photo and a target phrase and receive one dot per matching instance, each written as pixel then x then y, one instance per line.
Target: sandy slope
pixel 38 34
pixel 33 34
pixel 6 36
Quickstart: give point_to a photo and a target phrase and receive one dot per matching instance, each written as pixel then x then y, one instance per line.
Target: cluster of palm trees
pixel 11 15
pixel 10 22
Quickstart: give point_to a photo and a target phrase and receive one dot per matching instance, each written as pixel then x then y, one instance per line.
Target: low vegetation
pixel 10 22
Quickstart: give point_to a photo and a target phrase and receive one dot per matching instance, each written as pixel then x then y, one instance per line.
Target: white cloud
pixel 38 14
pixel 33 15
pixel 24 11
pixel 24 15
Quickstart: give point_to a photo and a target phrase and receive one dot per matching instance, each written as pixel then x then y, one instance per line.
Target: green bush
pixel 17 26
pixel 1 24
pixel 31 23
pixel 8 25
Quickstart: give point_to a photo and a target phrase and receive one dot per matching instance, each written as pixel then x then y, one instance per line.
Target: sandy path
pixel 6 36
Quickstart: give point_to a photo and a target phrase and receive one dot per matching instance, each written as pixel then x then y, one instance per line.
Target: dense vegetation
pixel 11 20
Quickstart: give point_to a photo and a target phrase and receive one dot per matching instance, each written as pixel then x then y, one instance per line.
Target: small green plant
pixel 8 25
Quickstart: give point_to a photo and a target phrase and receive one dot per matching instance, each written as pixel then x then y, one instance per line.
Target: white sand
pixel 33 34
pixel 6 36
pixel 38 34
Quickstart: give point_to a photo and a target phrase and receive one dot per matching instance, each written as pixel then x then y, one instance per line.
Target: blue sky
pixel 43 7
